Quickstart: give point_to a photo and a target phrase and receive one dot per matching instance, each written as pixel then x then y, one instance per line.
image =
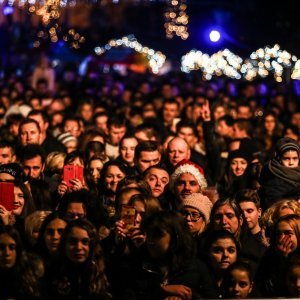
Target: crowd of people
pixel 190 188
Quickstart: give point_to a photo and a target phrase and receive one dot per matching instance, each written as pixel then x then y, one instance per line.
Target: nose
pixel 94 173
pixel 56 235
pixel 157 183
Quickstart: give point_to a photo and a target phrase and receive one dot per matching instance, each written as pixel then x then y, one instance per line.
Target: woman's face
pixel 293 281
pixel 290 159
pixel 127 150
pixel 8 252
pixel 224 252
pixel 238 166
pixel 251 214
pixel 225 218
pixel 140 210
pixel 95 167
pixel 19 201
pixel 194 219
pixel 53 235
pixel 240 284
pixel 76 162
pixel 285 234
pixel 269 123
pixel 157 179
pixel 158 243
pixel 112 177
pixel 78 245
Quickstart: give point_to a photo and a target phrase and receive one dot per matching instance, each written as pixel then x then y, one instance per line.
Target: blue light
pixel 214 36
pixel 8 10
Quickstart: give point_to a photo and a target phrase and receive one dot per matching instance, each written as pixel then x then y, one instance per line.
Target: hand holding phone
pixel 7 195
pixel 72 172
pixel 128 216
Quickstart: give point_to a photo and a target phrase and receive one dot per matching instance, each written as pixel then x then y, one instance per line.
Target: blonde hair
pixel 55 162
pixel 272 214
pixel 33 223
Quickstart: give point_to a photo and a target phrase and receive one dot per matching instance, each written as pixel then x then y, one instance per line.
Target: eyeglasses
pixel 194 216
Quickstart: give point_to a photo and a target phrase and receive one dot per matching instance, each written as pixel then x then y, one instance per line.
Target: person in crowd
pixel 116 130
pixel 249 203
pixel 127 149
pixel 7 153
pixel 221 250
pixel 238 281
pixel 146 154
pixel 280 177
pixel 111 174
pixel 49 237
pixel 69 141
pixel 275 211
pixel 80 269
pixel 20 273
pixel 195 209
pixel 75 159
pixel 187 178
pixel 158 180
pixel 292 278
pixel 236 176
pixel 284 243
pixel 47 141
pixel 169 267
pixel 29 132
pixel 93 172
pixel 32 225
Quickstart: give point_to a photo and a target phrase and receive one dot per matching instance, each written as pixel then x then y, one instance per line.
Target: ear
pixel 43 167
pixel 259 212
pixel 189 154
pixel 241 220
pixel 251 287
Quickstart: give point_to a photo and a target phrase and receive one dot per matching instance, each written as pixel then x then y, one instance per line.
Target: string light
pixel 221 63
pixel 176 19
pixel 155 59
pixel 261 63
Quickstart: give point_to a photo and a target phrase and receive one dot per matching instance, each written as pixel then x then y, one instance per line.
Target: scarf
pixel 290 175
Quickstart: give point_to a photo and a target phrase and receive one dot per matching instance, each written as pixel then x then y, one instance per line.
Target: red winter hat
pixel 187 166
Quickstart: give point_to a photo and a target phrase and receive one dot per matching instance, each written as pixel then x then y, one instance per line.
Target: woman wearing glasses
pixel 196 209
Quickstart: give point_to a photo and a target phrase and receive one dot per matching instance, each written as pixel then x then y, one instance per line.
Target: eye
pixel 231 250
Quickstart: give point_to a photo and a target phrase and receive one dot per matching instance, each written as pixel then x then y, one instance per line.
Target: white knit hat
pixel 66 137
pixel 186 166
pixel 199 202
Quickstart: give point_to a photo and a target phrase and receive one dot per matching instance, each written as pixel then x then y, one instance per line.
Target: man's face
pixel 177 151
pixel 223 129
pixel 29 134
pixel 186 185
pixel 73 127
pixel 101 123
pixel 170 111
pixel 148 159
pixel 244 112
pixel 188 135
pixel 237 132
pixel 6 156
pixel 116 133
pixel 43 125
pixel 33 167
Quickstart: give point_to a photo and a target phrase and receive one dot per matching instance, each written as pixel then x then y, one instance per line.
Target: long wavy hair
pixel 27 268
pixel 93 267
pixel 181 247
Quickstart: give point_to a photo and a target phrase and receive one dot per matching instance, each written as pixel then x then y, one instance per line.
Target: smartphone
pixel 72 172
pixel 7 195
pixel 128 215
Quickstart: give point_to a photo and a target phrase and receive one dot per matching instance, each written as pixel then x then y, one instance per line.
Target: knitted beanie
pixel 66 137
pixel 199 202
pixel 286 144
pixel 186 166
pixel 13 169
pixel 239 153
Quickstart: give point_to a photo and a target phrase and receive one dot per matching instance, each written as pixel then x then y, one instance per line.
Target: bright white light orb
pixel 214 36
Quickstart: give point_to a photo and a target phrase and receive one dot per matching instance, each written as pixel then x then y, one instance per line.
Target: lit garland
pixel 267 60
pixel 156 59
pixel 296 70
pixel 261 63
pixel 176 19
pixel 221 63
